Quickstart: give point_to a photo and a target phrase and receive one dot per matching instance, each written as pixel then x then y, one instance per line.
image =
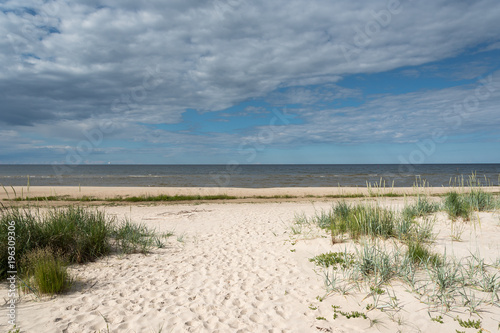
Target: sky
pixel 249 82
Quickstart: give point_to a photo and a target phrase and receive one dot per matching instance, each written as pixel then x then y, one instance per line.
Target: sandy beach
pixel 238 267
pixel 300 192
pixel 234 166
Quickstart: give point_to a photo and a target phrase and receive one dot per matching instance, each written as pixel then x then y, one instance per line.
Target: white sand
pixel 234 271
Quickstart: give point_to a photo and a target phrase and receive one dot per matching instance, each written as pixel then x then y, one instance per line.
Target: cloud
pixel 310 96
pixel 469 70
pixel 132 62
pixel 490 47
pixel 404 118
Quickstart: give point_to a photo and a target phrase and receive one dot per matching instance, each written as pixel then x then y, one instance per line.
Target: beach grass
pixel 142 198
pixel 457 206
pixel 45 271
pixel 420 254
pixel 134 238
pixel 461 205
pixel 460 202
pixel 477 197
pixel 444 284
pixel 163 197
pixel 388 245
pixel 67 235
pixel 174 198
pixel 421 207
pixel 80 233
pixel 357 220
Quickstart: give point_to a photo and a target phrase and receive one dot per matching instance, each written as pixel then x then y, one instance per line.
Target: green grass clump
pixel 376 262
pixel 133 238
pixel 447 276
pixel 57 198
pixel 334 259
pixel 28 234
pixel 456 206
pixel 356 195
pixel 80 233
pixel 46 198
pixel 324 220
pixel 142 198
pixel 45 270
pixel 75 233
pixel 283 196
pixel 163 197
pixel 479 200
pixel 363 219
pixel 420 208
pixel 359 220
pixel 419 254
pixel 463 204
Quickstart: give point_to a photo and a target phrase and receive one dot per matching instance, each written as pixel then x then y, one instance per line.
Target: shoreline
pixel 104 193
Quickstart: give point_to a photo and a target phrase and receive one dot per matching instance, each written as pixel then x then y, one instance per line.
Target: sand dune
pixel 230 268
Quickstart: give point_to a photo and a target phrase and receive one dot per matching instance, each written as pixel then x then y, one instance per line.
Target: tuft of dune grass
pixel 67 235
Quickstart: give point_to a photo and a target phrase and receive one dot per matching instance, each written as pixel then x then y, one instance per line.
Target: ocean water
pixel 247 176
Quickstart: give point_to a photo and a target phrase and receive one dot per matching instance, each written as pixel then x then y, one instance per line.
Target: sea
pixel 251 176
